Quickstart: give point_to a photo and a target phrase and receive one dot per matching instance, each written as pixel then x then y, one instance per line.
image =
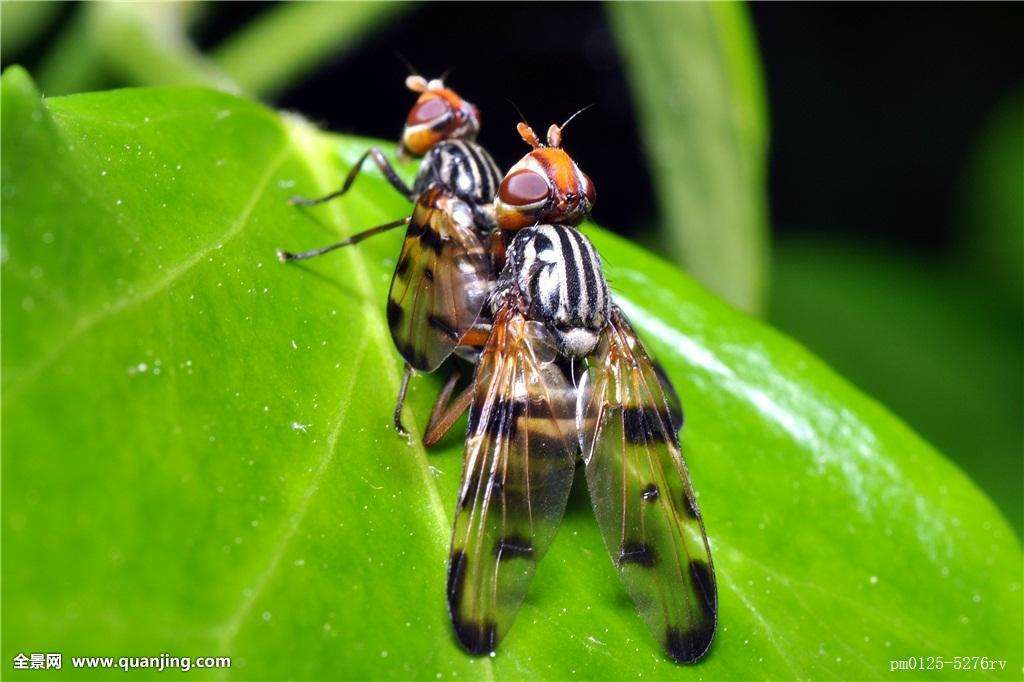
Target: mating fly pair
pixel 446 267
pixel 563 375
pixel 560 375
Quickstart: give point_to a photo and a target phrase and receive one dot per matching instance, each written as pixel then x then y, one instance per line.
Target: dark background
pixel 874 107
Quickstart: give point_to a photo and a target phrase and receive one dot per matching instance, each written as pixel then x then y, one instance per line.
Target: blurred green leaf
pixel 931 341
pixel 992 211
pixel 21 22
pixel 291 38
pixel 697 81
pixel 199 458
pixel 147 44
pixel 143 43
pixel 73 61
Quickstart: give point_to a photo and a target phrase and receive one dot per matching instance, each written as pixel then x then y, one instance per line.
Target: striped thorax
pixel 466 170
pixel 557 273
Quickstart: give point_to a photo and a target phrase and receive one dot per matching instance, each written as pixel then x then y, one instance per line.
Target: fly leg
pixel 285 256
pixel 380 161
pixel 400 402
pixel 446 411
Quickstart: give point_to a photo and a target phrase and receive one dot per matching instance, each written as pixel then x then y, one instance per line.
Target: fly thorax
pixel 463 168
pixel 559 273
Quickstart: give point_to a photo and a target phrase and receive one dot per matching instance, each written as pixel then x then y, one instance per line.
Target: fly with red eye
pixel 446 266
pixel 563 377
pixel 439 114
pixel 545 186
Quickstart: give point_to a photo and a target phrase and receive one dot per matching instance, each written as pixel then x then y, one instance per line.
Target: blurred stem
pixel 74 63
pixel 292 38
pixel 148 43
pixel 21 22
pixel 696 79
pixel 134 43
pixel 992 200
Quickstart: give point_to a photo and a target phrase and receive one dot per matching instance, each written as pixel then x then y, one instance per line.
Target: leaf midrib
pixel 300 139
pixel 303 140
pixel 322 172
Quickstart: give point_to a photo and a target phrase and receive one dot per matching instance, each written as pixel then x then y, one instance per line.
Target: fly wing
pixel 440 283
pixel 675 407
pixel 641 493
pixel 521 448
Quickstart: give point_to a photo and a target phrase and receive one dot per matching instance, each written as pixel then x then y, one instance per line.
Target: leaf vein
pixel 765 624
pixel 87 322
pixel 227 632
pixel 303 137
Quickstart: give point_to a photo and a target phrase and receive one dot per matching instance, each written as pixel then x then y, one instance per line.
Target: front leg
pixel 385 168
pixel 285 256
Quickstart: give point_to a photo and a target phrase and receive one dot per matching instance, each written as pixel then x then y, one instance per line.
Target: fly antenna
pixel 555 131
pixel 525 131
pixel 447 72
pixel 408 65
pixel 580 111
pixel 518 110
pixel 414 81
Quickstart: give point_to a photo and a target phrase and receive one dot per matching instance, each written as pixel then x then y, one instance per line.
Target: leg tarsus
pixel 442 400
pixel 400 402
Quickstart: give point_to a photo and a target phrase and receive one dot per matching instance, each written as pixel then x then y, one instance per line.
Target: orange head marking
pixel 439 114
pixel 546 186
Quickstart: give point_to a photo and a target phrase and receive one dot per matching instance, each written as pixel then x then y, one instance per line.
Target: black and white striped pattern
pixel 461 167
pixel 558 271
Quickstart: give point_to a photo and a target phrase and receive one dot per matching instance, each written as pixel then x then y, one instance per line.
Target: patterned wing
pixel 675 407
pixel 521 448
pixel 641 493
pixel 440 283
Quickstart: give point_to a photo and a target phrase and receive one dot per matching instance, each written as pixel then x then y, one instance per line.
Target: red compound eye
pixel 428 110
pixel 522 188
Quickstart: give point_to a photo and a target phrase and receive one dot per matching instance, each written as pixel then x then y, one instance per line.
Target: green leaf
pixel 198 457
pixel 291 38
pixel 955 347
pixel 697 82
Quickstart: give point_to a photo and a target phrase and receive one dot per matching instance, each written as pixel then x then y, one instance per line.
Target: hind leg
pixel 400 402
pixel 446 411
